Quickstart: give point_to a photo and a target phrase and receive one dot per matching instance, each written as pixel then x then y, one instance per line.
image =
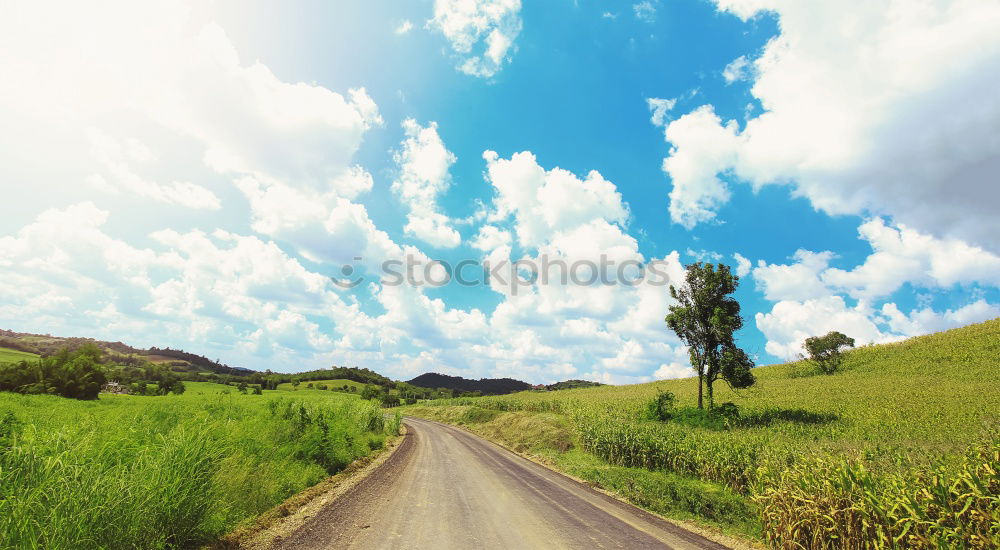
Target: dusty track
pixel 446 488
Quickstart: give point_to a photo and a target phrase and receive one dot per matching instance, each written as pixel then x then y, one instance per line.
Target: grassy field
pixel 900 448
pixel 170 471
pixel 332 384
pixel 13 355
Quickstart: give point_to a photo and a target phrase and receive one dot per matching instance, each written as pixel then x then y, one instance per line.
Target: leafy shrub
pixel 727 411
pixel 825 351
pixel 389 400
pixel 702 418
pixel 392 427
pixel 662 406
pixel 78 374
pixel 370 392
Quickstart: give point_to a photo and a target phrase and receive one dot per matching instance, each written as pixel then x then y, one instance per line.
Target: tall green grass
pixel 174 471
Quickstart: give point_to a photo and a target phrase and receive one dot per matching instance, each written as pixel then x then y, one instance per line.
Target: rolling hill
pixel 179 360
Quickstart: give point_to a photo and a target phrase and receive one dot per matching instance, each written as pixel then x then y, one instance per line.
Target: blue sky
pixel 192 177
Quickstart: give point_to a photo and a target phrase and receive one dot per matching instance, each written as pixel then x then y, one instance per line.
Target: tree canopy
pixel 826 351
pixel 78 374
pixel 705 318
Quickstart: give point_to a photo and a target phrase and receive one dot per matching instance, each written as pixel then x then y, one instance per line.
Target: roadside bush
pixel 394 424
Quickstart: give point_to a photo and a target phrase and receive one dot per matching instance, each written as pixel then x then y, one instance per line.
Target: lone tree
pixel 826 351
pixel 705 318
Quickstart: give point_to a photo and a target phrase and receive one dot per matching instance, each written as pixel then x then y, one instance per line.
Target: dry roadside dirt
pixel 446 488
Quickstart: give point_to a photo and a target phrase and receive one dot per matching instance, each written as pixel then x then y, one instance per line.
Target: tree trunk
pixel 701 376
pixel 711 399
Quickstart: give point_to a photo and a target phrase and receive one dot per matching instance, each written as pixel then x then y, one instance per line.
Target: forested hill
pixel 487 386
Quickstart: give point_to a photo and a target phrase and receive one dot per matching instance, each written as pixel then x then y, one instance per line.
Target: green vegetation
pixel 572 384
pixel 662 406
pixel 176 471
pixel 331 385
pixel 177 360
pixel 899 448
pixel 706 318
pixel 83 372
pixel 827 351
pixel 465 386
pixel 79 374
pixel 8 355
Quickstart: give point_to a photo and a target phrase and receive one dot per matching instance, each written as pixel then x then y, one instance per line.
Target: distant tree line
pixel 82 372
pixel 483 386
pixel 134 370
pixel 78 374
pixel 572 384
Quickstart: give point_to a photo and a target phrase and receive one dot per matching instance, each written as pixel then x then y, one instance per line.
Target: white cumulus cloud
pixel 659 108
pixel 423 163
pixel 887 108
pixel 737 69
pixel 481 32
pixel 809 292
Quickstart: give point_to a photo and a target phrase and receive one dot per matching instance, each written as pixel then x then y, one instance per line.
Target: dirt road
pixel 446 488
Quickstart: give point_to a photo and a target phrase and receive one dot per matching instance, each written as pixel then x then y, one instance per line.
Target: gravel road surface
pixel 446 488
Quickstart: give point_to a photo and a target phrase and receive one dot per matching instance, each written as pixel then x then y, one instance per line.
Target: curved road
pixel 446 488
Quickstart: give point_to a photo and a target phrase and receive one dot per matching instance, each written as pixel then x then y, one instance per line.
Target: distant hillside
pixel 488 386
pixel 354 374
pixel 178 360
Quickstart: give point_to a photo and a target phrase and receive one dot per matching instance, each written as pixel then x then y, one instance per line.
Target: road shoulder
pixel 280 522
pixel 706 532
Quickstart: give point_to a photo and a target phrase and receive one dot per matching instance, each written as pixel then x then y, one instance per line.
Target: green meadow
pixel 12 355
